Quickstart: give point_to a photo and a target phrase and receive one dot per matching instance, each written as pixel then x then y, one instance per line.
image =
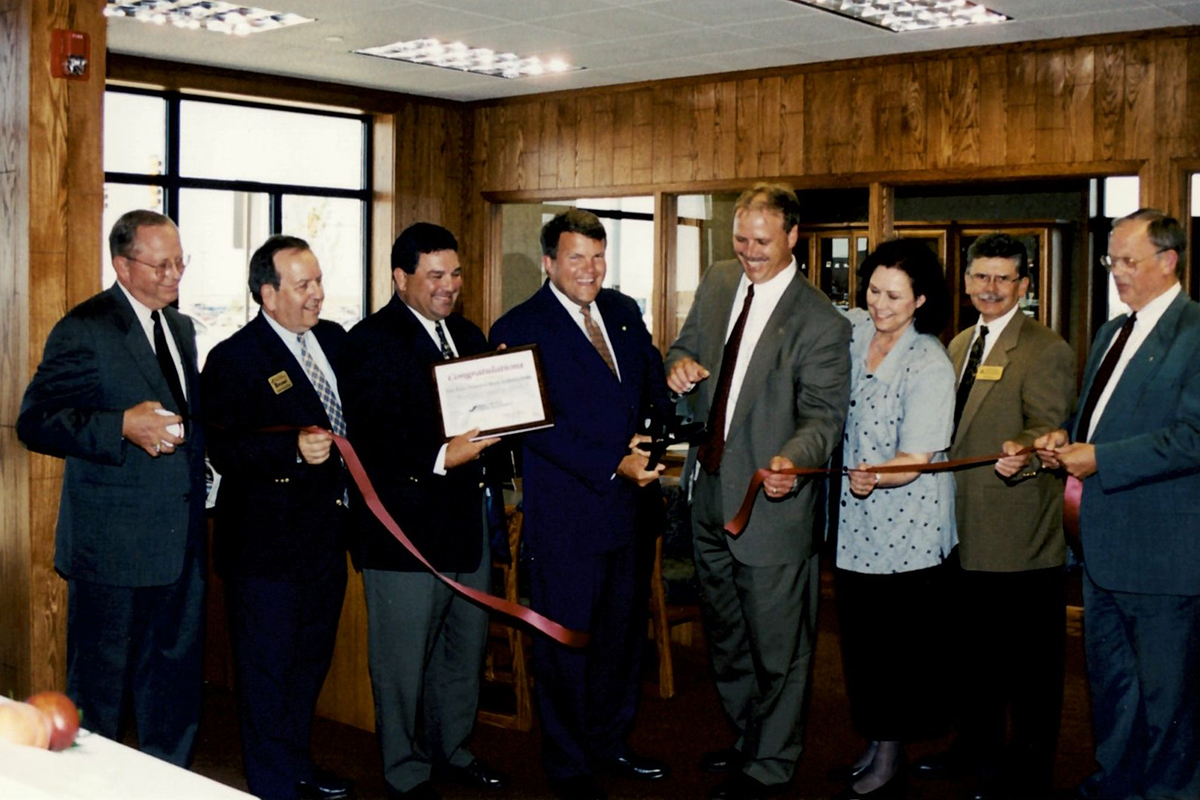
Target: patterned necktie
pixel 1103 375
pixel 447 352
pixel 167 364
pixel 329 399
pixel 713 448
pixel 968 378
pixel 597 337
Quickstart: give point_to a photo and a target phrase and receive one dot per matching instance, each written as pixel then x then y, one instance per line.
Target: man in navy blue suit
pixel 1135 445
pixel 280 515
pixel 582 481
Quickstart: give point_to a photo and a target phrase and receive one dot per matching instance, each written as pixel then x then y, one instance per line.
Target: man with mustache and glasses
pixel 1135 446
pixel 764 357
pixel 114 395
pixel 281 516
pixel 1016 381
pixel 425 643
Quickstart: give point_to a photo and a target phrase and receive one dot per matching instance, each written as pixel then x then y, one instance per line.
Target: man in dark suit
pixel 113 396
pixel 280 514
pixel 781 352
pixel 1016 381
pixel 582 480
pixel 426 644
pixel 1135 445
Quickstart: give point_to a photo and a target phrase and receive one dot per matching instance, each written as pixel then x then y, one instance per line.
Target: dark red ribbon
pixel 738 524
pixel 554 630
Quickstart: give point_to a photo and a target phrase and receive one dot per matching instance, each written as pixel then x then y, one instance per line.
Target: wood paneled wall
pixel 51 197
pixel 1045 108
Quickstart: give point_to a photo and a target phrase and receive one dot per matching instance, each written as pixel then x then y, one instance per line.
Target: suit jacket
pixel 792 402
pixel 276 516
pixel 124 518
pixel 572 498
pixel 393 420
pixel 1012 526
pixel 1139 514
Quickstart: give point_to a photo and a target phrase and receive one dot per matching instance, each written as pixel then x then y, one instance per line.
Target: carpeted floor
pixel 678 730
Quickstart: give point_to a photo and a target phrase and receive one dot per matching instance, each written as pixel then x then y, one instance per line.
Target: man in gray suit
pixel 780 352
pixel 1016 381
pixel 114 396
pixel 1135 447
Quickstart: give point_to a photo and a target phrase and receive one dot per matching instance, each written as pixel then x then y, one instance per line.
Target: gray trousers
pixel 426 647
pixel 761 624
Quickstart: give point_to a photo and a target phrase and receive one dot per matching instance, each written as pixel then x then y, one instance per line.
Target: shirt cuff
pixel 439 463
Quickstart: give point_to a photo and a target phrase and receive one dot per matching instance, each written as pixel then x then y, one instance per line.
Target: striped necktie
pixel 329 398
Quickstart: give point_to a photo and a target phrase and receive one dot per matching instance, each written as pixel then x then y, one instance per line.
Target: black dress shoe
pixel 579 787
pixel 892 790
pixel 422 791
pixel 944 766
pixel 722 762
pixel 639 768
pixel 324 785
pixel 741 786
pixel 847 773
pixel 476 775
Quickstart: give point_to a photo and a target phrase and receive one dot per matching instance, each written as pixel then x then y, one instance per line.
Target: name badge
pixel 991 373
pixel 280 382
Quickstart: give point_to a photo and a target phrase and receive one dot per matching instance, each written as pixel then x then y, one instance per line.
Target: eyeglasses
pixel 1124 262
pixel 179 264
pixel 1001 281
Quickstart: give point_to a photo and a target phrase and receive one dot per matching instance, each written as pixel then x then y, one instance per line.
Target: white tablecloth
pixel 100 769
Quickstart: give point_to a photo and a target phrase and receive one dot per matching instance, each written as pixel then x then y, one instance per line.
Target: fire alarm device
pixel 69 54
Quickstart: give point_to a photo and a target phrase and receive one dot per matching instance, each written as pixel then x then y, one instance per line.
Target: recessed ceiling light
pixel 911 15
pixel 457 55
pixel 210 15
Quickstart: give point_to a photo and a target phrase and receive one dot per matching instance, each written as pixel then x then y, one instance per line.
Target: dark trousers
pixel 587 698
pixel 1143 660
pixel 1012 634
pixel 282 633
pixel 142 644
pixel 893 630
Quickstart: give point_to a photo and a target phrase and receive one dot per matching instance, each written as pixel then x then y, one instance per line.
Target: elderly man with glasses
pixel 115 395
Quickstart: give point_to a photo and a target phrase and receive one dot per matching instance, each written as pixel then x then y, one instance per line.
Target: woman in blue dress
pixel 895 529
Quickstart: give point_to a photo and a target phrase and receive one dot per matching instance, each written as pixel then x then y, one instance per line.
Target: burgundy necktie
pixel 714 446
pixel 1101 380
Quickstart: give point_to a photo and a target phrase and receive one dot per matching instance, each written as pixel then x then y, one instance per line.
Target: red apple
pixel 62 715
pixel 21 723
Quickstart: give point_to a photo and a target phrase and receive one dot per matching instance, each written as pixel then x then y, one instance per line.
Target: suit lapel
pixel 766 350
pixel 997 357
pixel 1142 366
pixel 139 347
pixel 565 330
pixel 719 310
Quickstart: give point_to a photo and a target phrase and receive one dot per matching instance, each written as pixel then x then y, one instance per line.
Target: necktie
pixel 1101 380
pixel 968 378
pixel 441 332
pixel 329 399
pixel 593 331
pixel 167 364
pixel 714 446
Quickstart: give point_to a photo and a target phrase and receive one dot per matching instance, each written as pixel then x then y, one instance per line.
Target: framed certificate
pixel 499 393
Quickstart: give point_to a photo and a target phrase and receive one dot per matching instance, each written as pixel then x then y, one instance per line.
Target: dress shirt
pixel 573 311
pixel 766 297
pixel 143 314
pixel 430 326
pixel 314 349
pixel 1147 317
pixel 995 328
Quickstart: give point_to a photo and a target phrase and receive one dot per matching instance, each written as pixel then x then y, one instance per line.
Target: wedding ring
pixel 157 449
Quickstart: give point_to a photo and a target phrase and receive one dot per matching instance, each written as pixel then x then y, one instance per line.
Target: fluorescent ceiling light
pixel 457 55
pixel 210 15
pixel 911 15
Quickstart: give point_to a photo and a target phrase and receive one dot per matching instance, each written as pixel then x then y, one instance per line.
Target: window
pixel 230 174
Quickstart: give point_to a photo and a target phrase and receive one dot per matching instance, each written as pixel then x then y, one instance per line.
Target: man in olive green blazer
pixel 1011 547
